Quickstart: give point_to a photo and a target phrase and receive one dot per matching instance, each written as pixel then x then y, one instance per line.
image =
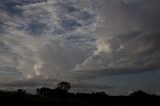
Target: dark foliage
pixel 140 93
pixel 61 96
pixel 63 86
pixel 61 90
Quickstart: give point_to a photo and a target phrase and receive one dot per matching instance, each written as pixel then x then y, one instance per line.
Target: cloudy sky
pixel 110 45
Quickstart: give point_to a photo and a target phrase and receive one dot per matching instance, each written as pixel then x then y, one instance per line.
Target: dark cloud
pixel 69 24
pixel 127 38
pixel 2 27
pixel 77 39
pixel 35 28
pixel 33 83
pixel 11 7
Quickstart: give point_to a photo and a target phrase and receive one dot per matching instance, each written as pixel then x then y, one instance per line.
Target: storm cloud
pixel 76 40
pixel 127 38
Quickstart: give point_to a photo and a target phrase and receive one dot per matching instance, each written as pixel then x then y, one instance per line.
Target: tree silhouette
pixel 61 89
pixel 44 91
pixel 63 86
pixel 140 93
pixel 21 92
pixel 38 91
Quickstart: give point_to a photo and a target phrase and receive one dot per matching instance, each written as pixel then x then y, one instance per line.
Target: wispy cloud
pixel 48 39
pixel 78 39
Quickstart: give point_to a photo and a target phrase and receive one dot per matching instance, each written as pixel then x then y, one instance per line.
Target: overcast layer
pixel 75 40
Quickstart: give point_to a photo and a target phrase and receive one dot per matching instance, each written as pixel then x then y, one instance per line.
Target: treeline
pixel 60 95
pixel 62 89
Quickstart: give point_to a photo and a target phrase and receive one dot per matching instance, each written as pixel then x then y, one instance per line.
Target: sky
pixel 96 45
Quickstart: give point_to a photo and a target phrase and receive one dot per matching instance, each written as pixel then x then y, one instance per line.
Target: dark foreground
pixel 80 100
pixel 61 96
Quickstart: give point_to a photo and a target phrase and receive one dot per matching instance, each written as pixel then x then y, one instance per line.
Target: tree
pixel 63 86
pixel 44 91
pixel 38 91
pixel 139 93
pixel 21 92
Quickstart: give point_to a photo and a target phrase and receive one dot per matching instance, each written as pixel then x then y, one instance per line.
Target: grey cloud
pixel 11 7
pixel 127 38
pixel 34 46
pixel 77 40
pixel 33 83
pixel 135 52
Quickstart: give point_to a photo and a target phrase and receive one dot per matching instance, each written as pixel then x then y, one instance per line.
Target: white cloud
pixel 41 44
pixel 66 39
